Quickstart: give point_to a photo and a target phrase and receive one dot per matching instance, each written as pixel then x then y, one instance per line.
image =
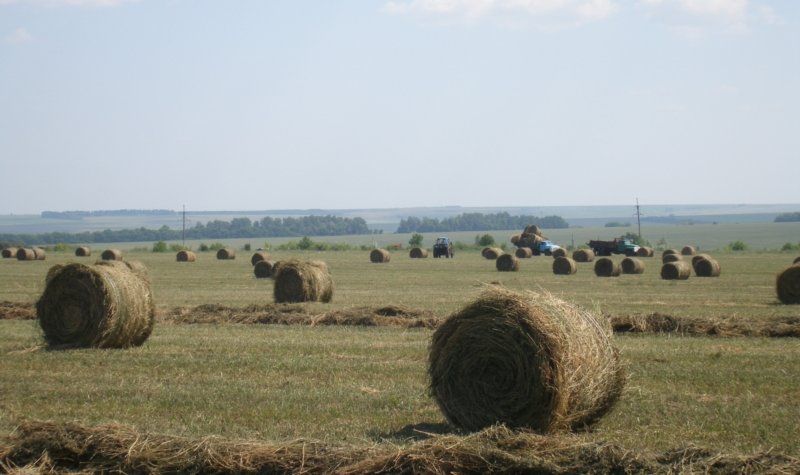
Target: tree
pixel 416 240
pixel 485 240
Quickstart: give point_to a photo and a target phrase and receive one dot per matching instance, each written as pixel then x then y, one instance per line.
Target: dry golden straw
pixel 226 254
pixel 688 250
pixel 111 255
pixel 99 306
pixel 678 270
pixel 299 281
pixel 9 252
pixel 560 252
pixel 670 258
pixel 418 253
pixel 526 360
pixel 507 263
pixel 26 254
pixel 83 251
pixel 39 253
pixel 583 255
pixel 564 266
pixel 606 267
pixel 787 284
pixel 706 267
pixel 186 256
pixel 632 265
pixel 523 252
pixel 378 256
pixel 259 256
pixel 491 252
pixel 644 251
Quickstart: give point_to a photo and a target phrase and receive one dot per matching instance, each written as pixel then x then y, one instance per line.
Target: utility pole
pixel 639 220
pixel 183 233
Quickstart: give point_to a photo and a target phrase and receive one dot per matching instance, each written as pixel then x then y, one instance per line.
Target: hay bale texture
pixel 583 255
pixel 259 256
pixel 796 260
pixel 99 306
pixel 632 265
pixel 678 270
pixel 418 253
pixel 9 252
pixel 787 285
pixel 507 263
pixel 26 254
pixel 111 255
pixel 226 253
pixel 606 267
pixel 560 252
pixel 526 360
pixel 492 252
pixel 301 281
pixel 39 254
pixel 706 266
pixel 263 269
pixel 672 257
pixel 186 256
pixel 644 251
pixel 378 256
pixel 523 253
pixel 564 266
pixel 688 250
pixel 83 251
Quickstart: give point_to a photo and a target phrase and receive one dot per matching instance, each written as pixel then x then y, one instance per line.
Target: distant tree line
pixel 103 213
pixel 788 217
pixel 236 228
pixel 478 222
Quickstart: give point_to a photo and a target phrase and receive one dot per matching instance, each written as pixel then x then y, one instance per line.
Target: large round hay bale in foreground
pixel 378 256
pixel 787 285
pixel 583 255
pixel 606 267
pixel 418 253
pixel 300 281
pixel 226 253
pixel 26 254
pixel 111 255
pixel 563 265
pixel 525 360
pixel 560 252
pixel 706 267
pixel 259 256
pixel 186 256
pixel 523 253
pixel 83 251
pixel 688 250
pixel 99 306
pixel 670 258
pixel 492 252
pixel 507 263
pixel 678 270
pixel 632 265
pixel 263 269
pixel 644 251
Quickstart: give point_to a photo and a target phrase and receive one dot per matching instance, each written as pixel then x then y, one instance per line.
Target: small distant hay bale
pixel 226 253
pixel 9 252
pixel 39 253
pixel 670 258
pixel 515 239
pixel 698 257
pixel 532 229
pixel 787 285
pixel 111 255
pixel 523 360
pixel 583 255
pixel 677 270
pixel 263 269
pixel 418 253
pixel 99 306
pixel 259 256
pixel 644 251
pixel 523 253
pixel 507 263
pixel 563 265
pixel 669 251
pixel 492 252
pixel 83 251
pixel 606 267
pixel 706 267
pixel 300 281
pixel 688 250
pixel 378 256
pixel 560 252
pixel 632 265
pixel 26 254
pixel 186 256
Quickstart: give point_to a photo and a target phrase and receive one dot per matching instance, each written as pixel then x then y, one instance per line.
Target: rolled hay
pixel 583 255
pixel 787 285
pixel 533 229
pixel 492 252
pixel 259 256
pixel 677 270
pixel 698 257
pixel 111 255
pixel 26 254
pixel 186 256
pixel 796 260
pixel 560 252
pixel 226 253
pixel 606 267
pixel 523 253
pixel 706 267
pixel 671 258
pixel 669 251
pixel 9 252
pixel 644 251
pixel 507 263
pixel 300 281
pixel 526 360
pixel 378 256
pixel 632 265
pixel 515 239
pixel 132 266
pixel 39 253
pixel 263 269
pixel 564 266
pixel 99 306
pixel 688 250
pixel 418 253
pixel 83 251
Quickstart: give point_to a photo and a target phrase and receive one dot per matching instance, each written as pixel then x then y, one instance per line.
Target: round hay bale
pixel 532 229
pixel 259 256
pixel 564 266
pixel 523 253
pixel 186 256
pixel 583 255
pixel 379 256
pixel 525 360
pixel 632 265
pixel 100 306
pixel 515 239
pixel 606 267
pixel 276 267
pixel 26 254
pixel 9 252
pixel 39 253
pixel 644 251
pixel 83 251
pixel 677 270
pixel 698 257
pixel 706 267
pixel 670 258
pixel 52 272
pixel 418 253
pixel 492 252
pixel 669 251
pixel 507 263
pixel 787 285
pixel 111 255
pixel 796 260
pixel 688 250
pixel 132 266
pixel 560 252
pixel 299 281
pixel 263 269
pixel 226 253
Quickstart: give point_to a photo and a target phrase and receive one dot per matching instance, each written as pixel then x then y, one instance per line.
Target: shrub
pixel 416 240
pixel 484 241
pixel 160 246
pixel 203 247
pixel 177 247
pixel 247 247
pixel 61 247
pixel 737 246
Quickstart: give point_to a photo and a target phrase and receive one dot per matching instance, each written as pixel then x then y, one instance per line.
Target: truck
pixel 620 245
pixel 443 247
pixel 544 247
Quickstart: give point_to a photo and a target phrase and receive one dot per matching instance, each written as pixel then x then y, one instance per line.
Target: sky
pixel 256 105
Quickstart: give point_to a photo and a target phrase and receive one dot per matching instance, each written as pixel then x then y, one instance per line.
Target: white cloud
pixel 733 11
pixel 20 35
pixel 476 9
pixel 67 3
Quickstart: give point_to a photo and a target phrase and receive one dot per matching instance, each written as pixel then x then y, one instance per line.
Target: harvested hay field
pixel 777 327
pixel 418 253
pixel 259 256
pixel 225 254
pixel 787 285
pixel 111 255
pixel 83 251
pixel 523 360
pixel 50 447
pixel 583 255
pixel 100 306
pixel 678 270
pixel 492 253
pixel 379 256
pixel 564 266
pixel 186 256
pixel 523 253
pixel 263 269
pixel 303 281
pixel 606 267
pixel 17 311
pixel 632 265
pixel 507 263
pixel 706 267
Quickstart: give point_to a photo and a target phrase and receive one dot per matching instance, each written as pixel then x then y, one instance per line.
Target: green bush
pixel 61 247
pixel 160 246
pixel 416 240
pixel 177 247
pixel 485 240
pixel 737 246
pixel 203 247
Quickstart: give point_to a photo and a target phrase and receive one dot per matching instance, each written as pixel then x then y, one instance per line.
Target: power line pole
pixel 183 233
pixel 639 220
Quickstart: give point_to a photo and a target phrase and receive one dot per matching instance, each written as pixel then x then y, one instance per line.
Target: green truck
pixel 620 245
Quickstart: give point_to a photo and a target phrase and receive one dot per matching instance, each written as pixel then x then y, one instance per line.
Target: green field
pixel 361 386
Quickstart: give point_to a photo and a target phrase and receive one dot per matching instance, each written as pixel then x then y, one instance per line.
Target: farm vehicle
pixel 443 247
pixel 533 239
pixel 621 245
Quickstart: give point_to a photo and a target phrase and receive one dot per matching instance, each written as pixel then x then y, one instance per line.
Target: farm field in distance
pixel 362 386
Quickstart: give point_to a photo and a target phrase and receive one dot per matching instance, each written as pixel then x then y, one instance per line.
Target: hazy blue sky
pixel 236 105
